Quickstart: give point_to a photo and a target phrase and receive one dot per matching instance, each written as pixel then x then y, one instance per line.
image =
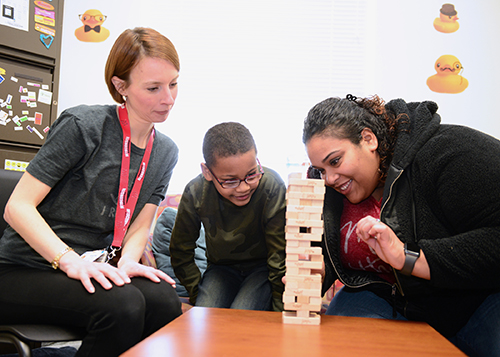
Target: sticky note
pixel 15 165
pixel 37 133
pixel 44 96
pixel 38 118
pixel 16 120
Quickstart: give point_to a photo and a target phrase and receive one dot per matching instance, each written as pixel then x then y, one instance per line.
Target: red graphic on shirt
pixel 355 253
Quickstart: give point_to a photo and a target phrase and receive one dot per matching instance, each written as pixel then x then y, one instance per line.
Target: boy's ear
pixel 206 172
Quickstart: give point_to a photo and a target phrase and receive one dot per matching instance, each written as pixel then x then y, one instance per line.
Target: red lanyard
pixel 125 207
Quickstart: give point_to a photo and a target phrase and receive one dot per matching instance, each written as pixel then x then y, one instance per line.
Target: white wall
pixel 265 63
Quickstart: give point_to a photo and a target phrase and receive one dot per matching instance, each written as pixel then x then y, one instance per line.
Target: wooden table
pixel 204 332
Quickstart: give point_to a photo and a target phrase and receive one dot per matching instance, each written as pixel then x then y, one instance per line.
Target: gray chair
pixel 24 336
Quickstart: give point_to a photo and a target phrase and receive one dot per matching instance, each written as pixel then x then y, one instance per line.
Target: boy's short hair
pixel 226 139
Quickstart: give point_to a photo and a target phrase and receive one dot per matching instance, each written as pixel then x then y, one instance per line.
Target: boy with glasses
pixel 242 208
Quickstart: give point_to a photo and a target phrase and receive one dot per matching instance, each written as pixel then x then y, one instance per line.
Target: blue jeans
pixel 479 337
pixel 226 287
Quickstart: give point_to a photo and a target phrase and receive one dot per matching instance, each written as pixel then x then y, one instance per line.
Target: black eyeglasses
pixel 250 179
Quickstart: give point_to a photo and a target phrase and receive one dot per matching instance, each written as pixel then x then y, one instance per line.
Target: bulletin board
pixel 30 51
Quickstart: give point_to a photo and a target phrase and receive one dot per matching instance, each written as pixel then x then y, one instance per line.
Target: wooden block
pixel 304 223
pixel 289 298
pixel 308 209
pixel 316 257
pixel 313 216
pixel 292 257
pixel 316 230
pixel 313 278
pixel 291 286
pixel 310 231
pixel 300 215
pixel 303 313
pixel 319 189
pixel 303 292
pixel 306 189
pixel 306 182
pixel 294 270
pixel 306 203
pixel 293 233
pixel 293 243
pixel 315 300
pixel 301 302
pixel 290 317
pixel 304 250
pixel 294 202
pixel 302 299
pixel 305 195
pixel 302 264
pixel 296 306
pixel 316 278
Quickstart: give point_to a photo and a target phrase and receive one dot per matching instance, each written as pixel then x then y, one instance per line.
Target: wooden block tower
pixel 304 224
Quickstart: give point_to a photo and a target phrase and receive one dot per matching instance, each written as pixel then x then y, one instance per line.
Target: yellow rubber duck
pixel 448 78
pixel 447 20
pixel 92 30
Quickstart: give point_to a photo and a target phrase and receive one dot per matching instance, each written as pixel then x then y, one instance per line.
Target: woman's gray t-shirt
pixel 81 162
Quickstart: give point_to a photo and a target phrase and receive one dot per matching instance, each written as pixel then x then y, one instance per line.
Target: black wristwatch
pixel 412 252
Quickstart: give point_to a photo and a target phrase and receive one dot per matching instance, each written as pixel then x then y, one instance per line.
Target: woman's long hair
pixel 347 117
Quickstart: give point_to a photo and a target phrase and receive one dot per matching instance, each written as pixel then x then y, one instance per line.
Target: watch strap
pixel 412 253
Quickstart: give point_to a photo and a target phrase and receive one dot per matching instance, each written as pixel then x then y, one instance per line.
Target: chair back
pixel 8 180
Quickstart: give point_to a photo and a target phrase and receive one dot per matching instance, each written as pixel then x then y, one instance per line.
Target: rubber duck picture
pixel 92 30
pixel 448 78
pixel 447 20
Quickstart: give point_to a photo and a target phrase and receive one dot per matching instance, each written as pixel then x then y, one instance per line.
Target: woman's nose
pixel 330 178
pixel 168 97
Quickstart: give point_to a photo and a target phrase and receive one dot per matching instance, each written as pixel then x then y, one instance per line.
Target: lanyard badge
pixel 126 203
